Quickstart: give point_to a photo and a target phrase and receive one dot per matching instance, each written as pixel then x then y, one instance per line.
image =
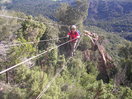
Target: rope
pixel 81 36
pixel 11 17
pixel 49 84
pixel 23 19
pixel 12 67
pixel 13 44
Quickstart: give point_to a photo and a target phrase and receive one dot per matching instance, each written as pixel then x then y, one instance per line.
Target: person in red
pixel 73 35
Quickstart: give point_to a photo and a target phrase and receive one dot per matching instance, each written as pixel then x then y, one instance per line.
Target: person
pixel 74 36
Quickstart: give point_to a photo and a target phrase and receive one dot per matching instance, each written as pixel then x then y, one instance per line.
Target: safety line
pixel 49 84
pixel 23 19
pixel 18 18
pixel 19 44
pixel 81 36
pixel 34 57
pixel 53 79
pixel 11 17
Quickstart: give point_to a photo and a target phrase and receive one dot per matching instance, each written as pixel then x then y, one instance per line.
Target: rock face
pixel 104 57
pixel 104 60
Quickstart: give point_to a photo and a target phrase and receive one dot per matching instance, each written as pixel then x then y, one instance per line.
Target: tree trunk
pixel 7 76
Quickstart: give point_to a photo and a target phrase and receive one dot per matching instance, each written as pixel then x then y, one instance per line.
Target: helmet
pixel 73 27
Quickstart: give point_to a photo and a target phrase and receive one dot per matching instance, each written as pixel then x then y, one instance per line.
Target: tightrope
pixel 19 44
pixel 24 19
pixel 49 84
pixel 12 67
pixel 11 17
pixel 53 79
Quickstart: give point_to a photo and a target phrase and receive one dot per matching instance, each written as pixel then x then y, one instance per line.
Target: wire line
pixel 12 67
pixel 19 44
pixel 53 79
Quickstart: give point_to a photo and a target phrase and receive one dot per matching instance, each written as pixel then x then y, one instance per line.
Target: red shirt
pixel 73 35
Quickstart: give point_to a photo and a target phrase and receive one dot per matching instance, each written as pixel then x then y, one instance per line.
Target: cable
pixel 11 17
pixel 49 84
pixel 23 19
pixel 81 36
pixel 12 67
pixel 53 79
pixel 13 44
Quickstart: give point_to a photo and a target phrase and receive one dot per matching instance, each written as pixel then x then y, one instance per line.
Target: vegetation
pixel 111 15
pixel 80 79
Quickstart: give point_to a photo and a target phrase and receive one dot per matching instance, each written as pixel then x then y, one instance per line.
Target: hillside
pixel 111 15
pixel 109 9
pixel 35 52
pixel 102 13
pixel 40 7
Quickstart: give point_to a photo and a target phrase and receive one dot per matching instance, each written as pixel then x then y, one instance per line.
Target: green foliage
pixel 78 79
pixel 113 16
pixel 91 68
pixel 126 51
pixel 13 93
pixel 77 93
pixel 106 91
pixel 7 28
pixel 33 80
pixel 53 57
pixel 50 33
pixel 16 93
pixel 18 54
pixel 126 60
pixel 76 68
pixel 84 44
pixel 32 30
pixel 73 15
pixel 52 61
pixel 43 7
pixel 87 79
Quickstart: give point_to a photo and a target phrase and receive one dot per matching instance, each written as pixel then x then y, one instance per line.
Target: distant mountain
pixel 111 15
pixel 109 9
pixel 34 7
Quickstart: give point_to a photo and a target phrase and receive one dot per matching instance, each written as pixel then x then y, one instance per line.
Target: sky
pixel 5 1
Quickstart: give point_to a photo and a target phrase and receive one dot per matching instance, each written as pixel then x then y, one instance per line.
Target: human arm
pixel 77 35
pixel 68 35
